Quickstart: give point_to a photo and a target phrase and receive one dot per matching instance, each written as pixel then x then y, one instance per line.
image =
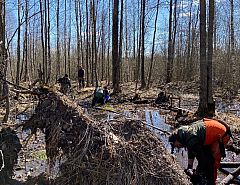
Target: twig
pixel 231 176
pixel 2 160
pixel 15 85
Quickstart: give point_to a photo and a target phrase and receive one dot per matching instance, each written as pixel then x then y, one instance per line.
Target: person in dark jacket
pixel 65 84
pixel 81 73
pixel 206 140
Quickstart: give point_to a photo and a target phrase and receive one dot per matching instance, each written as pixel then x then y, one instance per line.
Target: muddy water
pixel 32 160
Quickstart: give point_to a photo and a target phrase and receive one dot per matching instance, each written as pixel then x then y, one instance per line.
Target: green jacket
pixel 193 137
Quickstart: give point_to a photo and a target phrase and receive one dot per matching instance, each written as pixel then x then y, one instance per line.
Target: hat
pixel 172 138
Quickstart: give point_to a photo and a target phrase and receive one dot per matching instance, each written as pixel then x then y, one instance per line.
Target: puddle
pixel 32 160
pixel 154 118
pixel 20 118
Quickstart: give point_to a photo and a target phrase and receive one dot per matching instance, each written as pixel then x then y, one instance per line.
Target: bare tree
pixel 78 31
pixel 87 45
pixel 170 43
pixel 115 49
pixel 18 45
pixel 4 90
pixel 65 37
pixel 121 40
pixel 153 46
pixel 206 106
pixel 108 49
pixel 69 38
pixel 58 71
pixel 143 82
pixel 94 42
pixel 43 70
pixel 26 43
pixel 210 103
pixel 49 71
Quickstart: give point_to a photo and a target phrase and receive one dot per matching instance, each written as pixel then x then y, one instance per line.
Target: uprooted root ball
pixel 114 153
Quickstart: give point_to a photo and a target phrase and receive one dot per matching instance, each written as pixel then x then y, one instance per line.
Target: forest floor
pixel 32 158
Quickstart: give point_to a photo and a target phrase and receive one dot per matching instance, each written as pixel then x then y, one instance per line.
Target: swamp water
pixel 34 162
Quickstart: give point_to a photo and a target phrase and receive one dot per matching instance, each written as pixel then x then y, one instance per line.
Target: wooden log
pixel 231 176
pixel 229 164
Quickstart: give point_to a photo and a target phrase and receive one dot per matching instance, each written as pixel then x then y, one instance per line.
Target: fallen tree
pixel 101 152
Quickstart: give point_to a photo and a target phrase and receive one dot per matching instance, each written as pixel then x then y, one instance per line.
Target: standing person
pixel 81 73
pixel 206 140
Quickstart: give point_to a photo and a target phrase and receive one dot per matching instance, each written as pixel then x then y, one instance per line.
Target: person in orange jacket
pixel 206 140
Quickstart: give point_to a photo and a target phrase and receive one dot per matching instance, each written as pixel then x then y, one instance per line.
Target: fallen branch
pixel 229 164
pixel 28 91
pixel 231 176
pixel 3 165
pixel 15 85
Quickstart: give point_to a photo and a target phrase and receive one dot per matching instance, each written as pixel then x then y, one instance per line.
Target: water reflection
pixel 22 117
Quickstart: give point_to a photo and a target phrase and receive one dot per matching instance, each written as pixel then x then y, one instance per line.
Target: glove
pixel 190 172
pixel 196 177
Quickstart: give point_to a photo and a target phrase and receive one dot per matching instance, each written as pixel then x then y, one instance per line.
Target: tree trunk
pixel 58 71
pixel 153 47
pixel 18 46
pixel 25 78
pixel 121 41
pixel 94 42
pixel 203 92
pixel 108 50
pixel 69 39
pixel 3 61
pixel 87 45
pixel 46 41
pixel 115 57
pixel 170 43
pixel 81 40
pixel 49 71
pixel 143 82
pixel 211 106
pixel 65 37
pixel 43 46
pixel 78 32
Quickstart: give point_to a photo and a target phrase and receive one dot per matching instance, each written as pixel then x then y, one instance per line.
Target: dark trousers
pixel 209 171
pixel 97 100
pixel 81 82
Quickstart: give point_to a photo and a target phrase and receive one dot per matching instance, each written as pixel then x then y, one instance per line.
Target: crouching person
pixel 206 140
pixel 65 84
pixel 106 94
pixel 98 96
